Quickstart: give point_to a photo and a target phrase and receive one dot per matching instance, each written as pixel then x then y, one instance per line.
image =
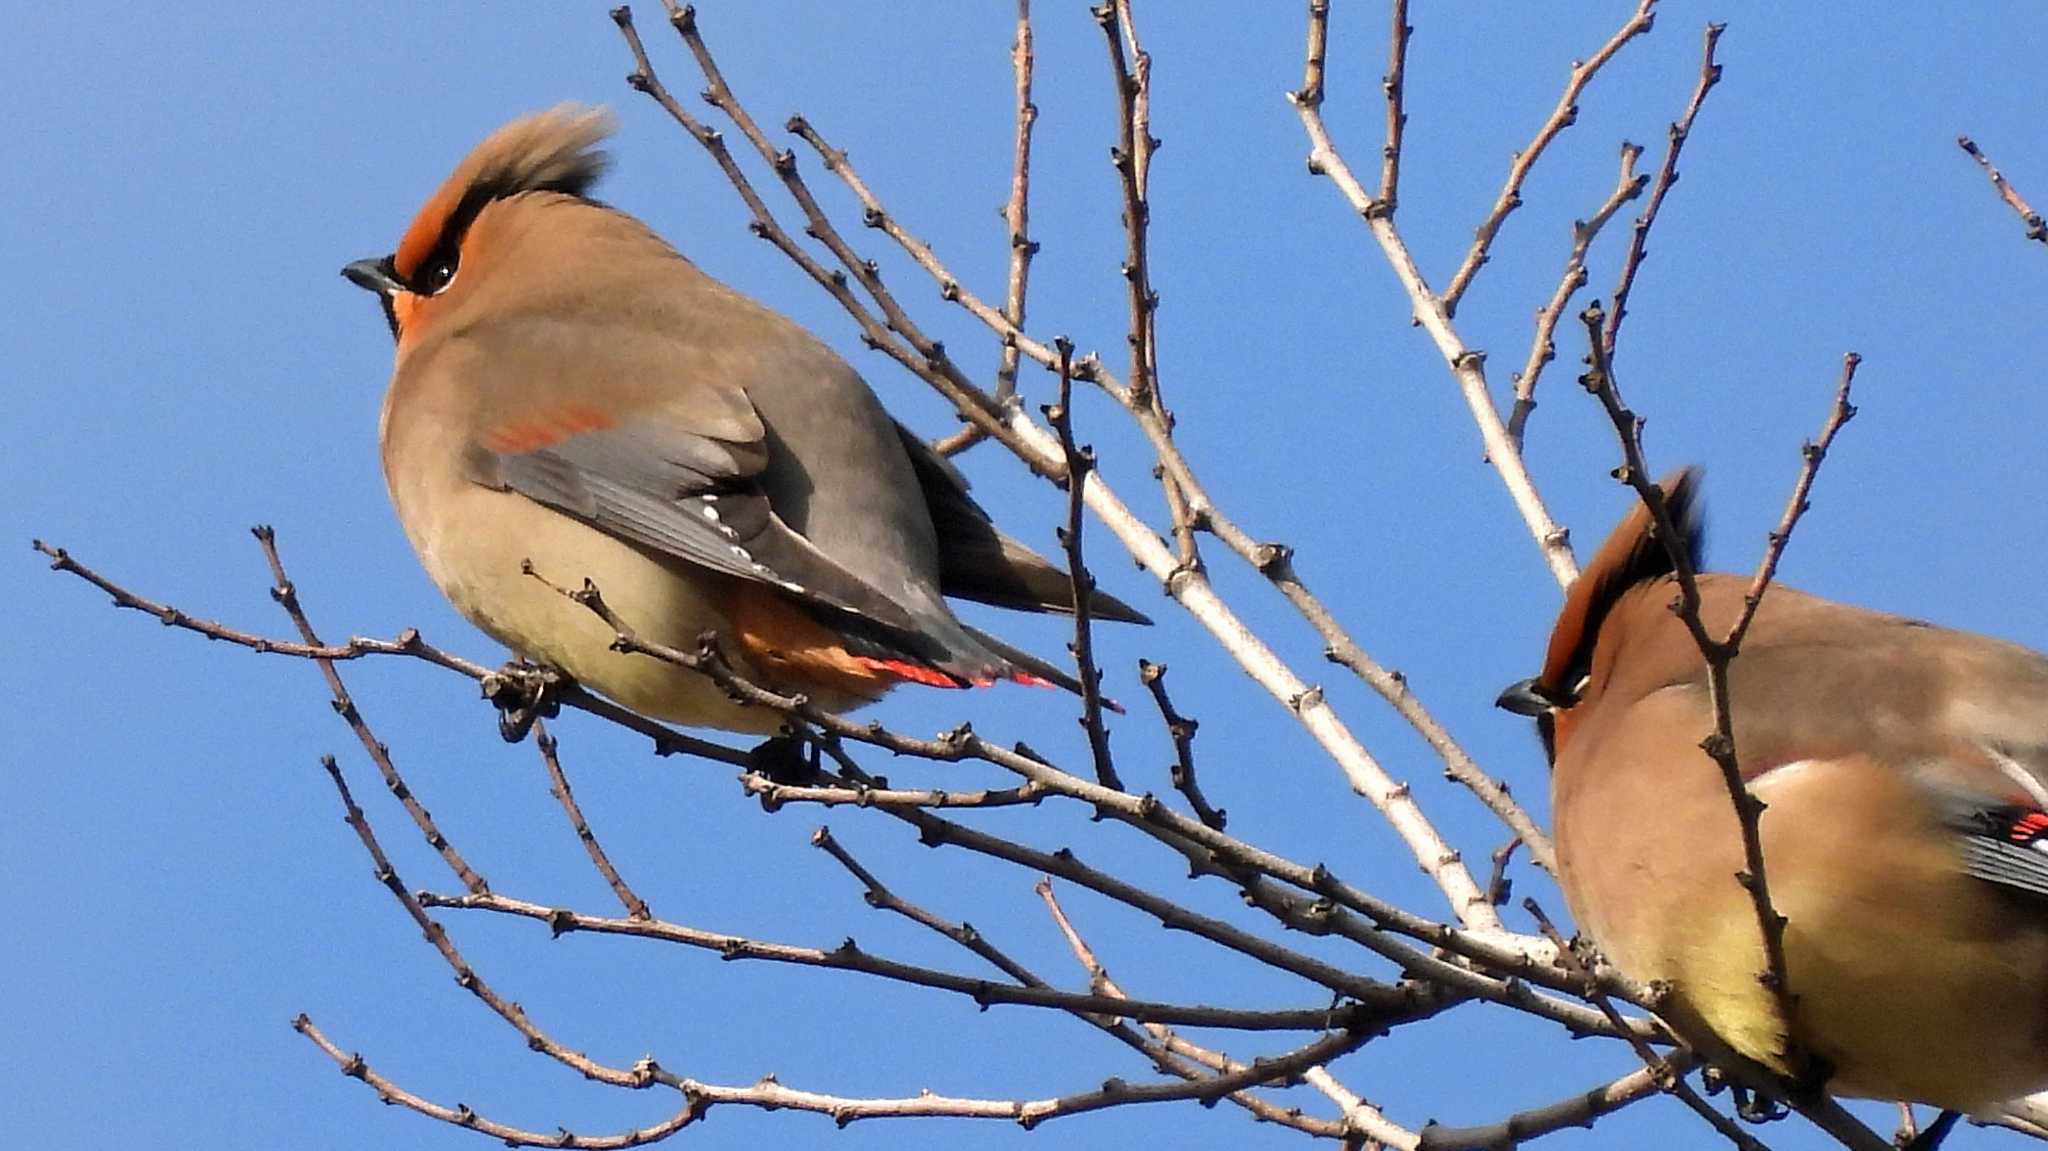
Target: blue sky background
pixel 185 362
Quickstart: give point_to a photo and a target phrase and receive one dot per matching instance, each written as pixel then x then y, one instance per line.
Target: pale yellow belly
pixel 473 541
pixel 1913 979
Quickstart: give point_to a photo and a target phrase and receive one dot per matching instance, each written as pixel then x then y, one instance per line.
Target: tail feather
pixel 1029 669
pixel 978 562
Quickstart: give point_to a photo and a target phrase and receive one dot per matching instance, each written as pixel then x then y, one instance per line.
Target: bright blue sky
pixel 187 362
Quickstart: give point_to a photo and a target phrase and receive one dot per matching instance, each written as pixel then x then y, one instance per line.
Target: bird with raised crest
pixel 574 400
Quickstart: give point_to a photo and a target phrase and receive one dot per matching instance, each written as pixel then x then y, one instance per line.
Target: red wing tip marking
pixel 914 673
pixel 2028 827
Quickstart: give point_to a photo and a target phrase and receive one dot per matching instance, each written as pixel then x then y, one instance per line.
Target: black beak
pixel 1524 698
pixel 374 275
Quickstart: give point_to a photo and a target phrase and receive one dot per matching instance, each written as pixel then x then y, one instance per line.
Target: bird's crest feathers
pixel 1632 555
pixel 552 151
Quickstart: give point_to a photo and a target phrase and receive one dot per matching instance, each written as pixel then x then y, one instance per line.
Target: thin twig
pixel 878 896
pixel 1667 175
pixel 1498 886
pixel 1543 347
pixel 1131 68
pixel 881 897
pixel 1579 1110
pixel 969 402
pixel 1080 462
pixel 408 644
pixel 1114 1092
pixel 1811 453
pixel 1392 85
pixel 287 597
pixel 1100 982
pixel 1181 730
pixel 558 786
pixel 850 956
pixel 466 976
pixel 774 794
pixel 460 1115
pixel 1164 1038
pixel 770 1095
pixel 1016 222
pixel 1565 114
pixel 1017 211
pixel 2036 229
pixel 1467 365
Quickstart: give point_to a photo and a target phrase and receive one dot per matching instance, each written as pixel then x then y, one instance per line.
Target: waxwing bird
pixel 572 393
pixel 1905 771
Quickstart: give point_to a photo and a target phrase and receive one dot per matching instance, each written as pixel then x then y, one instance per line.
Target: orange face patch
pixel 424 232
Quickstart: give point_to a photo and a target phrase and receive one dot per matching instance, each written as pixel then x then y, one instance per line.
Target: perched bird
pixel 1905 771
pixel 572 393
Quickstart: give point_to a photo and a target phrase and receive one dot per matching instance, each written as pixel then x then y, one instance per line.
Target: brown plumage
pixel 569 390
pixel 1905 769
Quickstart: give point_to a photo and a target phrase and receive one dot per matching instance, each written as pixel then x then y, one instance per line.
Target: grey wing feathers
pixel 2006 864
pixel 684 496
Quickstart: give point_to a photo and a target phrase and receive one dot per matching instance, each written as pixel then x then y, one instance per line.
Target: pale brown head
pixel 447 249
pixel 1632 555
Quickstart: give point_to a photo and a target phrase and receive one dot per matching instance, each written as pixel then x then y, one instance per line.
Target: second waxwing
pixel 1905 771
pixel 572 393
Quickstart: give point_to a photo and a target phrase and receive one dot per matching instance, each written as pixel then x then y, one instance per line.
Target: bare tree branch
pixel 465 976
pixel 287 597
pixel 1161 1054
pixel 1719 652
pixel 1578 1110
pixel 460 1115
pixel 1467 365
pixel 1543 347
pixel 1039 448
pixel 1131 68
pixel 1080 462
pixel 2036 229
pixel 408 644
pixel 1392 85
pixel 1017 225
pixel 1146 814
pixel 1181 730
pixel 1563 116
pixel 1667 175
pixel 1176 1048
pixel 558 786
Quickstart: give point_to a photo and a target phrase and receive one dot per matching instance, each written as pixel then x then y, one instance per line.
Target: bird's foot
pixel 1809 1079
pixel 1750 1106
pixel 1755 1107
pixel 785 759
pixel 523 692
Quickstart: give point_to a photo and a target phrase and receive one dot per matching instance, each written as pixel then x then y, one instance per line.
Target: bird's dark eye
pixel 438 273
